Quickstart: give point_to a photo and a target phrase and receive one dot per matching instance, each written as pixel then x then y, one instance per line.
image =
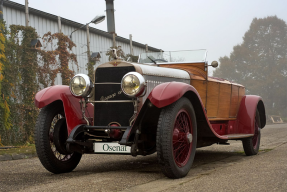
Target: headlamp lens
pixel 78 86
pixel 130 84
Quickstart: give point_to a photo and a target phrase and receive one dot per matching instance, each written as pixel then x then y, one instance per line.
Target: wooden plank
pixel 224 101
pixel 200 86
pixel 234 101
pixel 212 99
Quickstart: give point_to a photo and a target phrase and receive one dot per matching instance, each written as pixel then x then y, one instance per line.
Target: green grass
pixel 27 149
pixel 240 152
pixel 265 150
pixel 260 150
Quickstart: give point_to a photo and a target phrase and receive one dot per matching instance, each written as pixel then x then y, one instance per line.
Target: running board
pixel 238 136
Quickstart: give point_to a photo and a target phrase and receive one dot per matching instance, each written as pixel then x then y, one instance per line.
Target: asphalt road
pixel 215 168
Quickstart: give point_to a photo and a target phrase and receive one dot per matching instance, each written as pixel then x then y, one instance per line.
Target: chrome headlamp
pixel 81 85
pixel 133 84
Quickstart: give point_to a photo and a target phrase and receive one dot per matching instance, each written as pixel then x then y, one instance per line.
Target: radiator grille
pixel 108 88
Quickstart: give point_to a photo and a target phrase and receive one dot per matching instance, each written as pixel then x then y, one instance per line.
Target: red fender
pixel 246 114
pixel 167 93
pixel 71 104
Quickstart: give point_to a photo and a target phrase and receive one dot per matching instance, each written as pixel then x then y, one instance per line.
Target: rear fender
pixel 246 114
pixel 72 108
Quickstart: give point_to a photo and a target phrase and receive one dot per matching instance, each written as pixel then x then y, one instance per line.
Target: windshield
pixel 174 56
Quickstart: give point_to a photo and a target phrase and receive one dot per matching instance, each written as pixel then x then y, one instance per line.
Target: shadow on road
pixel 34 174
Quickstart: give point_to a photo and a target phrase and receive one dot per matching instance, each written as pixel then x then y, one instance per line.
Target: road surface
pixel 215 168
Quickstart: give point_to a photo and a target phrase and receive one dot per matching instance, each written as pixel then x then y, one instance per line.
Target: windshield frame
pixel 174 62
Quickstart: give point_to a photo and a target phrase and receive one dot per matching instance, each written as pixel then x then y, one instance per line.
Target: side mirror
pixel 214 64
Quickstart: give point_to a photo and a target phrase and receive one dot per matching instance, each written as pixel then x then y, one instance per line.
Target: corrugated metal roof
pixel 74 24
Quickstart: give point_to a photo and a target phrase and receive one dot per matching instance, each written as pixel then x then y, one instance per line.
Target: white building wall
pixel 43 25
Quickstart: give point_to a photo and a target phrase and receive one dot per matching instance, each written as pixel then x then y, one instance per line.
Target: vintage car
pixel 165 103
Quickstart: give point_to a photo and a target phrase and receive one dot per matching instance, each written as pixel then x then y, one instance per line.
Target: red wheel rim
pixel 181 144
pixel 256 135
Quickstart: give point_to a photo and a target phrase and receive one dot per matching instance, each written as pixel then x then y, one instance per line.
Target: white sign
pixel 111 148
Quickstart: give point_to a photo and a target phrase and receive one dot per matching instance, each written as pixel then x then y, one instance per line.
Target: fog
pixel 247 38
pixel 173 25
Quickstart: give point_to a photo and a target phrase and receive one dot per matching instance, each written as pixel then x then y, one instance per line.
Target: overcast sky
pixel 215 25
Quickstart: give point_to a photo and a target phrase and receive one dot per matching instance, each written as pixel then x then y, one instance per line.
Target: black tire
pixel 251 145
pixel 172 136
pixel 48 154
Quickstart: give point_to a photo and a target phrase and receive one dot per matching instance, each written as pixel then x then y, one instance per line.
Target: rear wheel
pixel 50 137
pixel 176 138
pixel 251 145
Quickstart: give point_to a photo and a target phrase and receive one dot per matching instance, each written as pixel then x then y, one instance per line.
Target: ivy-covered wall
pixel 23 71
pixel 5 123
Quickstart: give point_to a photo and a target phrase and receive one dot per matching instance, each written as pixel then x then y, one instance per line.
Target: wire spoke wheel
pixel 255 138
pixel 176 138
pixel 50 137
pixel 251 145
pixel 58 155
pixel 181 144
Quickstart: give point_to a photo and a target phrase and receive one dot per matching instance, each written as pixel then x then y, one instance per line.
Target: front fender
pixel 167 93
pixel 246 114
pixel 164 95
pixel 71 104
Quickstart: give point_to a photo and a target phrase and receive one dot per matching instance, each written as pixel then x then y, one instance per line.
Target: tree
pixel 260 63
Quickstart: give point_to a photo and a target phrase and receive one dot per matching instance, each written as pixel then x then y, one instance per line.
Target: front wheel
pixel 50 137
pixel 176 138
